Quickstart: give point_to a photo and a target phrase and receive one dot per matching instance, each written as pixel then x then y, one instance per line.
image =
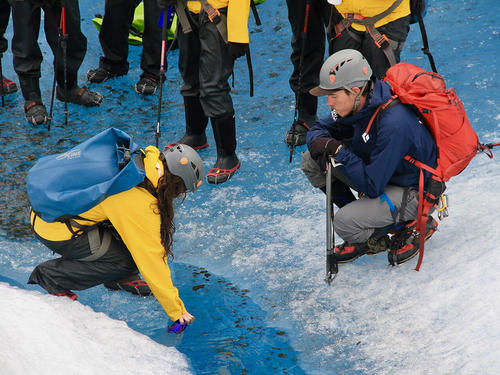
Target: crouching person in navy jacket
pixel 369 160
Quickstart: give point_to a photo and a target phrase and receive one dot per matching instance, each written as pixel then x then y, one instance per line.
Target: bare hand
pixel 186 318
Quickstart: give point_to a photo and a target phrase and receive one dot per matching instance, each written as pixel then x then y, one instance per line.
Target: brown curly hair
pixel 169 188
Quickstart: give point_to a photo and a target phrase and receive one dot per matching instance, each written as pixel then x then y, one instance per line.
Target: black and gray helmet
pixel 342 70
pixel 185 162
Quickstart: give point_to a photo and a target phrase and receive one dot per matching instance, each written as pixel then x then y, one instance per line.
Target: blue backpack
pixel 65 185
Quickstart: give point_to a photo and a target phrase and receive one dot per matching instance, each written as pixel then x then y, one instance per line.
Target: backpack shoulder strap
pixel 394 100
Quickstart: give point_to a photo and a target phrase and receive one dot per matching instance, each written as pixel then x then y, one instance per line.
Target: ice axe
pixel 332 267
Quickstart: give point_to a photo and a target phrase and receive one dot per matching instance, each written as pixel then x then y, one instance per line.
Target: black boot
pixel 196 123
pixel 225 138
pixel 35 111
pixel 307 107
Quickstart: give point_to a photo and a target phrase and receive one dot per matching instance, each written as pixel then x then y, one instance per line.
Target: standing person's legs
pixel 76 43
pixel 189 67
pixel 151 50
pixel 113 36
pixel 91 259
pixel 151 40
pixel 215 69
pixel 306 76
pixel 27 59
pixel 8 86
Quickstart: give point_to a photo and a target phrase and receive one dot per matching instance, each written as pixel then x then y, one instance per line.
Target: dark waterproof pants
pixel 118 16
pixel 4 21
pixel 88 260
pixel 205 65
pixel 25 48
pixel 396 31
pixel 314 50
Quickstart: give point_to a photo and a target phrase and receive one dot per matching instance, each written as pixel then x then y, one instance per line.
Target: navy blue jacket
pixel 371 166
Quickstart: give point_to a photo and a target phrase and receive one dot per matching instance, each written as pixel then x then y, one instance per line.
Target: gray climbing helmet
pixel 344 69
pixel 185 162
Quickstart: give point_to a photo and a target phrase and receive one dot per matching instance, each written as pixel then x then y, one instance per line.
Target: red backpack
pixel 444 114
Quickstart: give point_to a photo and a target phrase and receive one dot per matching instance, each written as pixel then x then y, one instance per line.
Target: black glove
pixel 165 4
pixel 321 148
pixel 236 50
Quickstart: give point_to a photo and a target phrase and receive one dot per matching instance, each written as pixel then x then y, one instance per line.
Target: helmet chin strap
pixel 357 99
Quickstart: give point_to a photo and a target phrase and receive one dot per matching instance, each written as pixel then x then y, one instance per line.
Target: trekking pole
pixel 2 93
pixel 64 44
pixel 162 68
pixel 332 267
pixel 56 61
pixel 293 134
pixel 425 41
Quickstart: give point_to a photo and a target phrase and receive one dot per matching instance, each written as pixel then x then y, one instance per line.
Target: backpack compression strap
pixel 426 200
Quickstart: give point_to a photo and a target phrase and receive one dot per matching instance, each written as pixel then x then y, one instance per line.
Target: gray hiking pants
pixel 366 217
pixel 87 260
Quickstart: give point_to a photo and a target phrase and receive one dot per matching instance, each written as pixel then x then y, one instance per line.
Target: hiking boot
pixel 147 85
pixel 347 252
pixel 8 86
pixel 296 136
pixel 100 75
pixel 405 244
pixel 132 285
pixel 79 95
pixel 36 113
pixel 68 293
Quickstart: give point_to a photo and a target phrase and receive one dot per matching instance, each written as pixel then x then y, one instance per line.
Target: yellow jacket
pixel 237 17
pixel 370 8
pixel 132 214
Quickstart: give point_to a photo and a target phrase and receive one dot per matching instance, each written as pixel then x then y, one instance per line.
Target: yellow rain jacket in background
pixel 132 214
pixel 370 8
pixel 237 17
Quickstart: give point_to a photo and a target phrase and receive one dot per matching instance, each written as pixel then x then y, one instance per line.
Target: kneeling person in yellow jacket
pixel 127 233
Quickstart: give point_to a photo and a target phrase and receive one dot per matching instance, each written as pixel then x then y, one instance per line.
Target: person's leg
pixel 360 220
pixel 69 61
pixel 89 260
pixel 305 74
pixel 113 36
pixel 27 59
pixel 341 192
pixel 215 68
pixel 189 67
pixel 8 86
pixel 151 40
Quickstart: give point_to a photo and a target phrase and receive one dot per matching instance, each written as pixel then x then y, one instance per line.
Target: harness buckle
pixel 213 14
pixel 380 40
